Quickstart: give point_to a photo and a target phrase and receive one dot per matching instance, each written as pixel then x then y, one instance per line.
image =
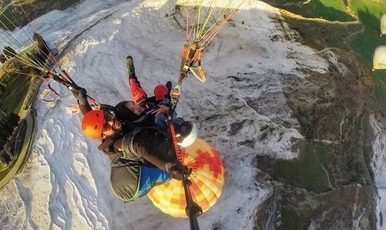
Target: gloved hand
pixel 80 94
pixel 177 169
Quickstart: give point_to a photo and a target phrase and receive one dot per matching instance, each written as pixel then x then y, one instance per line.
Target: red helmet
pixel 92 124
pixel 160 92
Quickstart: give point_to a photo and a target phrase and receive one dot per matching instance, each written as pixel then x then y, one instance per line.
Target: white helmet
pixel 191 137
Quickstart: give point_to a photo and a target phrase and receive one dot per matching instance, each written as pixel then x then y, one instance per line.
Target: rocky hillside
pixel 331 185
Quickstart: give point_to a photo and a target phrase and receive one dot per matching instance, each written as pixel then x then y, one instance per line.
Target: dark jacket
pixel 137 147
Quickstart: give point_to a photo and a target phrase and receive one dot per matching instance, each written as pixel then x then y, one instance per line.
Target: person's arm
pixel 161 109
pixel 108 146
pixel 81 95
pixel 152 145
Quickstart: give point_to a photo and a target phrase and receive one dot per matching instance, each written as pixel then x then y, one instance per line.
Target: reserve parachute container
pixel 379 58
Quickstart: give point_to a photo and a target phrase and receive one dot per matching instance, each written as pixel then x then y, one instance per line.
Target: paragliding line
pixel 191 63
pixel 69 83
pixel 32 63
pixel 190 55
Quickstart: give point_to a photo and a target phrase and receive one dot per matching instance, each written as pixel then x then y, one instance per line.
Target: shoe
pixel 130 66
pixel 186 133
pixel 169 85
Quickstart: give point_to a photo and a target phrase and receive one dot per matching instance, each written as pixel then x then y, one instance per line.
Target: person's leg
pixel 151 177
pixel 151 144
pixel 138 94
pixel 125 181
pixel 161 120
pixel 131 182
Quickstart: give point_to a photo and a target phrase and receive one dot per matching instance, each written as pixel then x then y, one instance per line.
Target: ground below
pixel 330 185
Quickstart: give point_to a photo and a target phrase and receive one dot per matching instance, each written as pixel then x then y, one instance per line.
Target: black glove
pixel 177 170
pixel 80 94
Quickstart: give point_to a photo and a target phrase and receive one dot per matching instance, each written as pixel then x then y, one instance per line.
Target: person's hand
pixel 177 170
pixel 74 108
pixel 161 109
pixel 79 92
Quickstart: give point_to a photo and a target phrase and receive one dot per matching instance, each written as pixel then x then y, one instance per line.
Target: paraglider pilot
pixel 135 140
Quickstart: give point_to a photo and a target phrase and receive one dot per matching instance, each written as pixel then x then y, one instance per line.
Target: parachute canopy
pixel 383 24
pixel 379 58
pixel 207 181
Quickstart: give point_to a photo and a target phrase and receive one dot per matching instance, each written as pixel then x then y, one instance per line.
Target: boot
pixel 130 66
pixel 169 85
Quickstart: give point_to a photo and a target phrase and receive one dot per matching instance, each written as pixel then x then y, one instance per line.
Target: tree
pixel 7 126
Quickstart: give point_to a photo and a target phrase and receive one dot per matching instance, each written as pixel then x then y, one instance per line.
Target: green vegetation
pixel 329 10
pixel 365 42
pixel 368 12
pixel 321 203
pixel 291 218
pixel 324 9
pixel 15 148
pixel 18 143
pixel 16 87
pixel 333 171
pixel 5 171
pixel 362 40
pixel 307 171
pixel 16 84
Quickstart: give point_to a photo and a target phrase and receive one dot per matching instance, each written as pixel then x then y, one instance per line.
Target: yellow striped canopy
pixel 207 181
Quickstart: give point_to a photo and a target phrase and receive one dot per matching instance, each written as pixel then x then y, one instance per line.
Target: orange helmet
pixel 160 92
pixel 92 124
